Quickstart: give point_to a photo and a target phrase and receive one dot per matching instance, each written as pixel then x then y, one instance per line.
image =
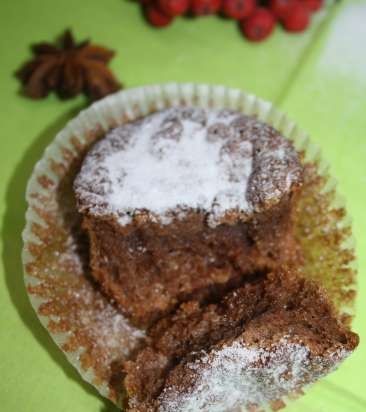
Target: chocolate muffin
pixel 185 205
pixel 261 342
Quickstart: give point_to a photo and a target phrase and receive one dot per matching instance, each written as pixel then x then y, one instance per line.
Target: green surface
pixel 34 374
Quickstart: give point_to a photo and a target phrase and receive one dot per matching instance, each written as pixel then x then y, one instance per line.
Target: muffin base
pixel 149 268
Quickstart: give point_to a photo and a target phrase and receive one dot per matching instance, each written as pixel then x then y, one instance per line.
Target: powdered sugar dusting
pixel 239 375
pixel 344 51
pixel 181 159
pixel 106 326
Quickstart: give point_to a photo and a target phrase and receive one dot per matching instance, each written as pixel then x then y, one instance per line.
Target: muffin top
pixel 179 160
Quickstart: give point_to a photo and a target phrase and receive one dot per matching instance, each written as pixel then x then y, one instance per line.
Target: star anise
pixel 68 68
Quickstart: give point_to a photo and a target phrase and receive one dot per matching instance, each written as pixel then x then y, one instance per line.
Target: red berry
pixel 313 5
pixel 204 7
pixel 259 25
pixel 297 19
pixel 280 8
pixel 237 9
pixel 173 7
pixel 156 17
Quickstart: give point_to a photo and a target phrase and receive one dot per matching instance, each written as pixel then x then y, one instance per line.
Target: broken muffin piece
pixel 185 203
pixel 262 341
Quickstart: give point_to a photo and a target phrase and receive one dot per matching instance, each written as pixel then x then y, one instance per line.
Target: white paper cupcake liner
pixel 94 336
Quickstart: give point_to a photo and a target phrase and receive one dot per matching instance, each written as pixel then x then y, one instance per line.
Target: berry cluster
pixel 257 18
